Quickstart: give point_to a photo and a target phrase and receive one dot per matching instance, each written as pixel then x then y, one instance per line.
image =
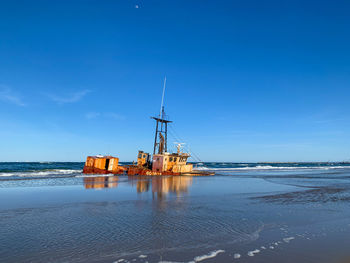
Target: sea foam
pixel 269 167
pixel 210 255
pixel 252 253
pixel 288 239
pixel 236 256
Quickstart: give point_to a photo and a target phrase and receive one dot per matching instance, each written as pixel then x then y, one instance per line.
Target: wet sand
pixel 241 217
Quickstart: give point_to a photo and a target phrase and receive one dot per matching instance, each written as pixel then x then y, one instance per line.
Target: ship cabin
pixel 143 159
pixel 171 162
pixel 102 165
pixel 162 160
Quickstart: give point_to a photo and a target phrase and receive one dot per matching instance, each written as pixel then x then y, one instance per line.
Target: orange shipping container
pixel 100 163
pixel 113 164
pixel 90 161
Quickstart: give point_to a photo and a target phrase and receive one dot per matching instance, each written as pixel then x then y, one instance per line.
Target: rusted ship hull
pixel 134 170
pixel 103 165
pixel 93 170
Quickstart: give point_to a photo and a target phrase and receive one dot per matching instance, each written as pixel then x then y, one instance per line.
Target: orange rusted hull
pixel 136 170
pixel 93 170
pixel 109 165
pixel 103 165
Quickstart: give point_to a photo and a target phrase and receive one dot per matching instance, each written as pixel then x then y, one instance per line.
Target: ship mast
pixel 161 135
pixel 161 104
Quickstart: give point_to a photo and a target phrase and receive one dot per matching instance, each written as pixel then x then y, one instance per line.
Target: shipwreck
pixel 161 162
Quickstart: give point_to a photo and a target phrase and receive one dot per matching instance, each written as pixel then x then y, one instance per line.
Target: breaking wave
pixel 269 167
pixel 42 173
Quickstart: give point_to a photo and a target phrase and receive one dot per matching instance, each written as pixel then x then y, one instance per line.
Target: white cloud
pixel 92 115
pixel 105 115
pixel 6 94
pixel 70 97
pixel 115 116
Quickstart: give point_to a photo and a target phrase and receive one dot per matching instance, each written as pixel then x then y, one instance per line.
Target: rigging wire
pixel 178 138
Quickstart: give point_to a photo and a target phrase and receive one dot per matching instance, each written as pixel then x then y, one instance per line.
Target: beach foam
pixel 236 256
pixel 269 167
pixel 253 252
pixel 210 255
pixel 288 239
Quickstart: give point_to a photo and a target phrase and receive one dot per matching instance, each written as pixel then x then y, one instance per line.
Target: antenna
pixel 161 105
pixel 161 128
pixel 178 146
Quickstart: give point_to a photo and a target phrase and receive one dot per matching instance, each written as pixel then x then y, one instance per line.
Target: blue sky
pixel 246 80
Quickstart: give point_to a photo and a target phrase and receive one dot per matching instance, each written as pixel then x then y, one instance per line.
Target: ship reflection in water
pixel 160 186
pixel 101 182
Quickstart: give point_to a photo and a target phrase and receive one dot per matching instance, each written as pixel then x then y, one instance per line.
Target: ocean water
pixel 247 212
pixel 35 170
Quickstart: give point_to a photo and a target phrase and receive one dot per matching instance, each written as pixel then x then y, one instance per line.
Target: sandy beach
pixel 251 215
